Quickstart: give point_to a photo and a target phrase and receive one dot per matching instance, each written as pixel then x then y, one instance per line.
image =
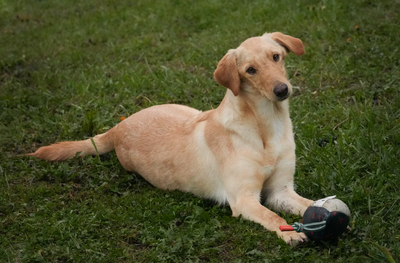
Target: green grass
pixel 70 70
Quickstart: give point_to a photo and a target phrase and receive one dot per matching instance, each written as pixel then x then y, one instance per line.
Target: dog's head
pixel 256 66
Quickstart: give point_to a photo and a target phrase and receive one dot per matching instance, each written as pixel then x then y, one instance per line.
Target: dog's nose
pixel 281 91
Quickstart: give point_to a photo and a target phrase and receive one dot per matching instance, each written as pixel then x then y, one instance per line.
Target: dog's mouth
pixel 283 98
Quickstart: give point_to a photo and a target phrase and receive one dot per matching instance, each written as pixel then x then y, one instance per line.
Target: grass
pixel 70 70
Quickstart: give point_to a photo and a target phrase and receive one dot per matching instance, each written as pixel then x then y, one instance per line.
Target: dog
pixel 235 154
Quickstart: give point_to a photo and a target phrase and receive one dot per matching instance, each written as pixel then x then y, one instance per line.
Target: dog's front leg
pixel 250 208
pixel 279 191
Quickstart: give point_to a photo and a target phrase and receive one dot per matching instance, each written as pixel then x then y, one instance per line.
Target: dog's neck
pixel 269 118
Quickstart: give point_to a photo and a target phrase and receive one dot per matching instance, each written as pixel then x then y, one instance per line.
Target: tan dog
pixel 233 154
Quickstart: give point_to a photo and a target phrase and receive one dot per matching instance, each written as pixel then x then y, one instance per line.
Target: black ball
pixel 336 223
pixel 334 212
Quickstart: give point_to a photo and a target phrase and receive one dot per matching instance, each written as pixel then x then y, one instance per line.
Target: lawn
pixel 72 69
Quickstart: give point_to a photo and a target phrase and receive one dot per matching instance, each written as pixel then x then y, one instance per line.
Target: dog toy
pixel 324 220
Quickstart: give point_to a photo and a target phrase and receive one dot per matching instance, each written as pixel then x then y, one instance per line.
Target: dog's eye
pixel 276 57
pixel 251 71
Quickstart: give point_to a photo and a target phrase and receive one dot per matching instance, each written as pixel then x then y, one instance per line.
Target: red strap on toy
pixel 286 228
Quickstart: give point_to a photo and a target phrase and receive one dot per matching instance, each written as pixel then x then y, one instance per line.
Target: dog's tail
pixel 99 144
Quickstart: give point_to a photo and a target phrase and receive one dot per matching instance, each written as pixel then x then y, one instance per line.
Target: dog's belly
pixel 169 150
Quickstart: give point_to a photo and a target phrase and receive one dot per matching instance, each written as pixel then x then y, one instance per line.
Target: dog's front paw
pixel 293 238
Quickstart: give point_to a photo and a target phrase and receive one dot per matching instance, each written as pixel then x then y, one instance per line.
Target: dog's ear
pixel 227 73
pixel 290 43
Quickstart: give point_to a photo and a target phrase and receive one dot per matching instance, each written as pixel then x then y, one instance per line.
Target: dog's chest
pixel 277 147
pixel 267 170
